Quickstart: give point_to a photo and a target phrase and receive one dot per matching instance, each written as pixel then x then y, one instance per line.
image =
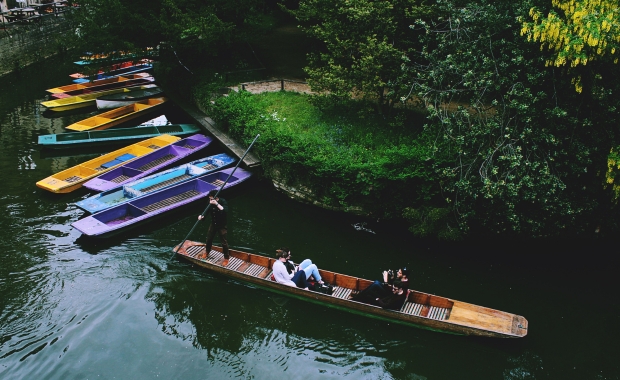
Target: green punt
pixel 108 136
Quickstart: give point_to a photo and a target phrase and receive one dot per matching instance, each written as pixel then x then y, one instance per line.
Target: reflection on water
pixel 122 308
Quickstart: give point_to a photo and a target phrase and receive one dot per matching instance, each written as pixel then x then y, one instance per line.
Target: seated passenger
pixel 283 276
pixel 379 289
pixel 311 270
pixel 395 300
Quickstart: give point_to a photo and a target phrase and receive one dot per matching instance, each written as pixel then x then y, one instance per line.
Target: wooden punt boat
pixel 117 116
pixel 84 100
pixel 420 310
pixel 149 163
pixel 114 136
pixel 110 83
pixel 154 182
pixel 114 73
pixel 134 213
pixel 73 178
pixel 125 98
pixel 75 86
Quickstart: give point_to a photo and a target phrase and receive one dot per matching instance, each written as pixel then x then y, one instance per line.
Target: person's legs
pixel 223 232
pixel 300 279
pixel 209 242
pixel 310 269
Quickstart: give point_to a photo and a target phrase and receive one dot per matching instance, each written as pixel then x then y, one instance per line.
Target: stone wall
pixel 21 45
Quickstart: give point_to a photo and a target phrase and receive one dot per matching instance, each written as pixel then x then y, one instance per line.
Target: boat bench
pixel 439 313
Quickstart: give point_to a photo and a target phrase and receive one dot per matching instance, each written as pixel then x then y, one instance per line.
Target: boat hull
pixel 113 136
pixel 73 178
pixel 149 163
pixel 85 100
pixel 154 182
pixel 118 116
pixel 132 214
pixel 247 268
pixel 111 102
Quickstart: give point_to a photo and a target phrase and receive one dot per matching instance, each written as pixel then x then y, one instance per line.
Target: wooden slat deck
pixel 340 292
pixel 171 181
pixel 254 270
pixel 187 146
pixel 168 201
pixel 153 146
pixel 156 162
pixel 119 179
pixel 217 183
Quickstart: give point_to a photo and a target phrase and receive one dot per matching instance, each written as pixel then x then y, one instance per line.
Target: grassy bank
pixel 341 150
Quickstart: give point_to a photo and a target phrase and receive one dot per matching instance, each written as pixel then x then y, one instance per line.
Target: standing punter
pixel 219 208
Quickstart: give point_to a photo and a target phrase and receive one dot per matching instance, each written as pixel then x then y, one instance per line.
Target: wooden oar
pixel 216 194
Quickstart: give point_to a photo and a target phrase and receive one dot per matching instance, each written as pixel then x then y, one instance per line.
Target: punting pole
pixel 216 194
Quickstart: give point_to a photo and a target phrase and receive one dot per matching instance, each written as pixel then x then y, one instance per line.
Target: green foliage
pixel 522 161
pixel 339 155
pixel 366 44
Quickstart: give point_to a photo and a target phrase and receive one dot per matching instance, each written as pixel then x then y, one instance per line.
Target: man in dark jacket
pixel 219 209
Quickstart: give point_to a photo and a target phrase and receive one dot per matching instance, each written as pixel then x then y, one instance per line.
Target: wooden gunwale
pixel 451 325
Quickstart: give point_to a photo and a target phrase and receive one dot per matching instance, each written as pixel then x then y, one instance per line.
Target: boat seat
pixel 125 157
pixel 156 162
pixel 340 292
pixel 170 201
pixel 109 164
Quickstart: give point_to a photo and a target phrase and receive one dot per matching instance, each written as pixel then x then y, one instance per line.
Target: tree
pixel 365 44
pixel 522 161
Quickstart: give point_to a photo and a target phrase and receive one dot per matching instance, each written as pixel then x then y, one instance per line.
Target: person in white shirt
pixel 282 275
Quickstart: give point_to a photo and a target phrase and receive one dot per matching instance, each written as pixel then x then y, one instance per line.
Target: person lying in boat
pixel 379 289
pixel 282 275
pixel 395 300
pixel 311 270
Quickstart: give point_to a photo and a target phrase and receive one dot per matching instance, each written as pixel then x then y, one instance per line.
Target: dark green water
pixel 122 309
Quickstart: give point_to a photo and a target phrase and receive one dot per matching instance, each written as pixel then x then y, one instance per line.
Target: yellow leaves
pixel 581 31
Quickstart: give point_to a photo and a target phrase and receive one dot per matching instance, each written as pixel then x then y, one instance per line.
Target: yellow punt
pixel 73 178
pixel 84 100
pixel 118 115
pixel 81 86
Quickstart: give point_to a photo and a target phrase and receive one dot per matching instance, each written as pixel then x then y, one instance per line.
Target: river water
pixel 120 309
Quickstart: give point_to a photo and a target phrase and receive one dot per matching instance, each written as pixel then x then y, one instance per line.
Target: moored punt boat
pixel 114 73
pixel 75 86
pixel 117 116
pixel 136 212
pixel 84 100
pixel 420 310
pixel 149 163
pixel 112 83
pixel 154 182
pixel 125 98
pixel 115 135
pixel 73 178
